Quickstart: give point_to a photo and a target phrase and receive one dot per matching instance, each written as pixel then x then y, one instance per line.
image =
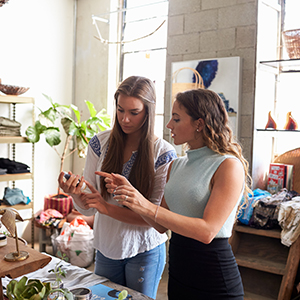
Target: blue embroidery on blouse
pixel 95 145
pixel 165 158
pixel 128 165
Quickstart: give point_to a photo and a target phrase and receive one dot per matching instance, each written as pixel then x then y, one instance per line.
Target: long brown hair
pixel 142 172
pixel 207 105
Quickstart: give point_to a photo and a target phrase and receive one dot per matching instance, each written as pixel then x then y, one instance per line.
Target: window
pixel 146 56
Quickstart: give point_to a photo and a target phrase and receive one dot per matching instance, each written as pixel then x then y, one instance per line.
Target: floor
pixel 162 288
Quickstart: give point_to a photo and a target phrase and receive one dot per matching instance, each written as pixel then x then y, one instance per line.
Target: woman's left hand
pixel 128 196
pixel 112 181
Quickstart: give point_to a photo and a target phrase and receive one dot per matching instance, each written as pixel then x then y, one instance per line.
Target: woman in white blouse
pixel 130 252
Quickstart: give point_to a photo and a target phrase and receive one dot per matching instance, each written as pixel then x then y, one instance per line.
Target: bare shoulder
pixel 230 167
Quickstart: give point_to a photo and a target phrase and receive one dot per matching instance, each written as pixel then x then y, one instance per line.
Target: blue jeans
pixel 141 272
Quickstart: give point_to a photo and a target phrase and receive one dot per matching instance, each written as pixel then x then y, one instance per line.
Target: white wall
pixel 91 73
pixel 36 51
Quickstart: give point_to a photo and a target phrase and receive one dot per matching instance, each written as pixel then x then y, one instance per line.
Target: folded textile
pixel 9 131
pixel 265 213
pixel 13 167
pixel 289 220
pixel 247 207
pixel 9 123
pixel 14 196
pixel 49 217
pixel 17 171
pixel 3 171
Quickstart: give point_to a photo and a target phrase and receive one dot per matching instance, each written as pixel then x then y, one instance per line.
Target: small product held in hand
pixel 67 176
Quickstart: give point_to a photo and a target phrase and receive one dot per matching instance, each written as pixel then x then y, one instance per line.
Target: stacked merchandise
pixel 13 167
pixel 267 211
pixel 9 127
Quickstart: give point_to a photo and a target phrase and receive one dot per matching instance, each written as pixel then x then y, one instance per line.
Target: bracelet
pixel 156 212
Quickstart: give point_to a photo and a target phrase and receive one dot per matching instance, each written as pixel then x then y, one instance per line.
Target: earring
pixel 197 130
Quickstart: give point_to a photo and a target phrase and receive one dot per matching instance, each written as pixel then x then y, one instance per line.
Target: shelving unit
pixel 281 65
pixel 268 268
pixel 12 141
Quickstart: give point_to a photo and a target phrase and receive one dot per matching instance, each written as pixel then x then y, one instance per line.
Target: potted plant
pixel 35 289
pixel 81 131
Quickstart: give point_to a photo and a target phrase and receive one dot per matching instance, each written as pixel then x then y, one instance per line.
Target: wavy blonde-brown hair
pixel 207 105
pixel 142 172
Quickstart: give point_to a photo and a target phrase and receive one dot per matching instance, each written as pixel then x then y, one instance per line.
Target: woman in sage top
pixel 200 202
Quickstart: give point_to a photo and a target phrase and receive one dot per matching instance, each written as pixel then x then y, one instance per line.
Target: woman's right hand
pixel 70 186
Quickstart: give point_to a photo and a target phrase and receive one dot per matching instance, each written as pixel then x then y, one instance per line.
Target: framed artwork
pixel 221 75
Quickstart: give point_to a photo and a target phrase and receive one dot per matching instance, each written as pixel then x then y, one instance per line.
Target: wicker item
pixel 292 157
pixel 12 89
pixel 178 87
pixel 291 39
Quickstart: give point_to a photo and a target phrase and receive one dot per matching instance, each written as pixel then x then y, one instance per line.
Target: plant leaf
pixel 49 98
pixel 76 112
pixel 32 134
pixel 52 136
pixel 66 123
pixel 48 117
pixel 91 108
pixel 123 295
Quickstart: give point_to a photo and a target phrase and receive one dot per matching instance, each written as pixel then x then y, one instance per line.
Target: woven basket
pixel 292 157
pixel 291 40
pixel 178 87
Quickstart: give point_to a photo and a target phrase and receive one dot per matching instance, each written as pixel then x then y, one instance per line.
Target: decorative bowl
pixel 12 89
pixel 2 2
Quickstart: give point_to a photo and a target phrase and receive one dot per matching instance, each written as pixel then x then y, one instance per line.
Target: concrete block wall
pixel 201 29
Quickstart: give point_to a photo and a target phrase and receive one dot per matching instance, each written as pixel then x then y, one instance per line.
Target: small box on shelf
pixel 280 176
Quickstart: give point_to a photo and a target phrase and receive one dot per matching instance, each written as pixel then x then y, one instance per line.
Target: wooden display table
pixel 35 261
pixel 35 265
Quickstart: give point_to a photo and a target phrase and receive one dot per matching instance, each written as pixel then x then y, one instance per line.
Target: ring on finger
pixel 126 197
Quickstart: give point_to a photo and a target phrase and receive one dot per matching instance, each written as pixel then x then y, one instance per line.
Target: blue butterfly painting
pixel 208 70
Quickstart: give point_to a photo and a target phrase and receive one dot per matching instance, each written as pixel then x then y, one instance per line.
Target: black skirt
pixel 200 271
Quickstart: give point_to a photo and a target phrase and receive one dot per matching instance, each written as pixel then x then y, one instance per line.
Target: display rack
pixel 268 268
pixel 12 141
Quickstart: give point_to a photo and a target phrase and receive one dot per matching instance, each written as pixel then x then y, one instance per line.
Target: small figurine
pixel 271 124
pixel 8 219
pixel 291 123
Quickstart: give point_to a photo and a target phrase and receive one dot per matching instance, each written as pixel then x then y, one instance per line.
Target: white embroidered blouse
pixel 113 238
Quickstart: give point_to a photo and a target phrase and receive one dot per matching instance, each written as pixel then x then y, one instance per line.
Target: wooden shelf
pixel 252 296
pixel 260 264
pixel 274 233
pixel 19 206
pixel 13 139
pixel 16 99
pixel 13 177
pixel 268 268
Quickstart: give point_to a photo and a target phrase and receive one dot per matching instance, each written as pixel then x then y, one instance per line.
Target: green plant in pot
pixel 35 289
pixel 80 131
